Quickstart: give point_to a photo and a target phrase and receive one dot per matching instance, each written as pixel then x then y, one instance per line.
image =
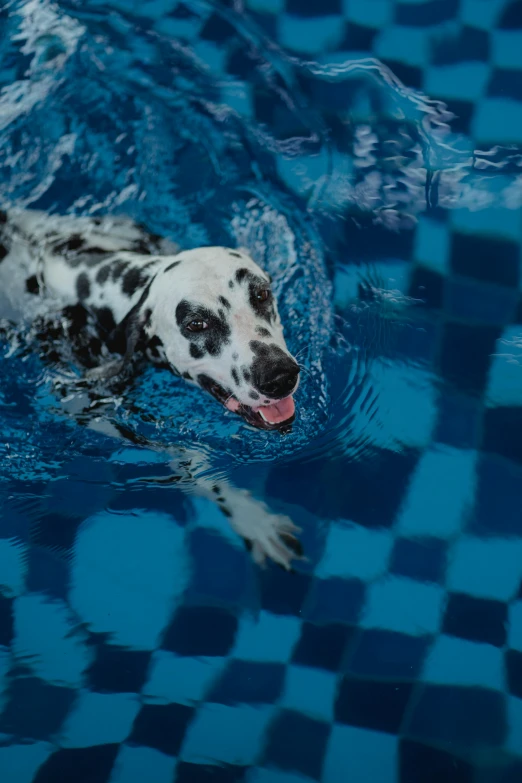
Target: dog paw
pixel 277 541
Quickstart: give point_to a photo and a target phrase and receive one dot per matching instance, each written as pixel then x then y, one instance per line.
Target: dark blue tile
pixel 247 682
pixel 469 44
pixel 372 705
pixel 373 243
pixel 118 670
pixel 478 619
pixel 322 646
pixel 313 7
pixel 83 765
pixel 161 726
pixel 427 13
pixel 297 743
pixel 388 654
pixel 206 773
pixel 469 300
pixel 201 630
pixel 459 420
pixel 358 38
pixel 423 559
pixel 219 570
pixel 470 717
pixel 464 112
pixel 503 432
pixel 6 621
pixel 55 531
pixel 427 287
pixel 505 84
pixel 335 600
pixel 417 340
pixel 35 709
pixel 217 29
pixel 512 773
pixel 498 497
pixel 47 572
pixel 465 355
pixel 431 765
pixel 283 592
pixel 511 17
pixel 514 672
pixel 471 256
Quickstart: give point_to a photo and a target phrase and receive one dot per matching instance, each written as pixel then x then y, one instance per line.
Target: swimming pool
pixel 369 152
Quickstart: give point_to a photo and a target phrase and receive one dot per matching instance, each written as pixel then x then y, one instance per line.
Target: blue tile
pixel 47 572
pixel 470 301
pixel 514 672
pixel 162 726
pixel 360 755
pixel 180 679
pixel 6 621
pixel 355 552
pixel 386 654
pixel 434 764
pixel 297 743
pixel 310 35
pixel 230 735
pixel 35 709
pixel 248 682
pixel 206 773
pixel 470 717
pixel 134 765
pixel 454 661
pixel 13 566
pixel 310 692
pixel 471 257
pixel 515 626
pixel 335 600
pixel 201 630
pixel 486 568
pixel 427 13
pixel 404 605
pixel 501 432
pixel 118 670
pixel 99 719
pixel 461 81
pixel 497 120
pixel 447 511
pixel 380 706
pixel 476 619
pixel 220 571
pixel 514 739
pixel 499 498
pixel 459 420
pixel 432 242
pixel 465 355
pixel 266 637
pixel 83 765
pixel 322 646
pixel 507 48
pixel 422 559
pixel 407 44
pixel 19 763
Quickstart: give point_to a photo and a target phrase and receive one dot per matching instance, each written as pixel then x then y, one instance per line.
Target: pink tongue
pixel 277 411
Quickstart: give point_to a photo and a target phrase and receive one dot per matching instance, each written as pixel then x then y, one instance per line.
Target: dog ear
pixel 124 339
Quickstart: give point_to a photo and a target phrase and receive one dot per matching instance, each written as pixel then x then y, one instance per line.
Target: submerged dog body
pixel 208 314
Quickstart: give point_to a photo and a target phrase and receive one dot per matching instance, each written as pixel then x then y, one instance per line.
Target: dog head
pixel 216 317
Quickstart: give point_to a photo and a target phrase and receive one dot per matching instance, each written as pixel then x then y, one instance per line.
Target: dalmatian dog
pixel 208 314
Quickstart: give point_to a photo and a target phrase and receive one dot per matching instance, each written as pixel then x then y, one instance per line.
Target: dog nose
pixel 277 379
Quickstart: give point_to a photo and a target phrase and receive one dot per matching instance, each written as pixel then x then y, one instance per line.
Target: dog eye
pixel 263 295
pixel 197 326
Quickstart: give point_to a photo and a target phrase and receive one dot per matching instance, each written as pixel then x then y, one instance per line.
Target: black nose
pixel 276 378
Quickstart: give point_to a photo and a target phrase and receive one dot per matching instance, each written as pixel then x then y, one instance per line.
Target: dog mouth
pixel 276 416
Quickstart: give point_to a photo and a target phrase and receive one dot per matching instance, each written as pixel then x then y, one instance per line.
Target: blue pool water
pixel 369 154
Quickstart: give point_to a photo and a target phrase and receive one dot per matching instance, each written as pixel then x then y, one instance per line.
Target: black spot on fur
pixel 262 332
pixel 75 242
pixel 171 266
pixel 224 510
pixel 187 376
pixel 235 356
pixel 224 302
pixel 215 489
pixel 147 316
pixel 3 251
pixel 247 376
pixel 32 286
pixel 105 318
pixel 212 339
pixel 117 268
pixel 196 352
pixel 235 376
pixel 154 344
pixel 83 286
pixel 231 284
pixel 133 280
pixel 235 254
pixel 253 395
pixel 241 274
pixel 103 274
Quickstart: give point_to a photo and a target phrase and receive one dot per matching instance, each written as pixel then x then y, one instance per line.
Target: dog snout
pixel 277 379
